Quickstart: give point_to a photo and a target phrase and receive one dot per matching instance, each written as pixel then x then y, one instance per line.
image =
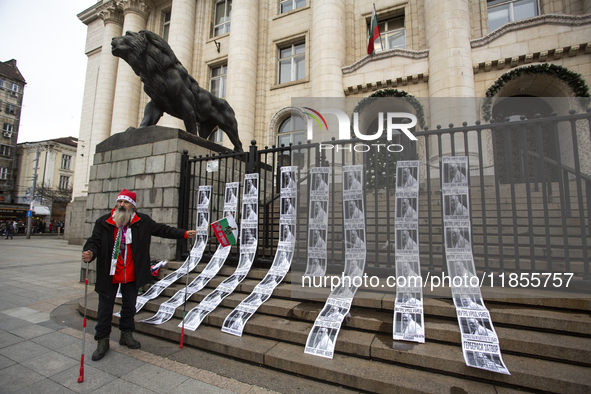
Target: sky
pixel 47 40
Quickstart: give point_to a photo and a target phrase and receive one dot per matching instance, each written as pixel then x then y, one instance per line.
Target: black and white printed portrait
pixel 317 238
pixel 408 269
pixel 287 206
pixel 197 317
pixel 355 239
pixel 354 209
pixel 462 268
pixel 270 281
pixel 456 173
pixel 332 313
pixel 248 236
pixel 488 361
pixel 458 237
pixel 474 326
pixel 407 177
pixel 203 197
pixel 256 299
pixel 456 205
pixel 316 266
pixel 282 259
pixel 407 298
pixel 344 290
pixel 232 280
pixel 250 186
pixel 353 180
pixel 322 338
pixel 409 324
pixel 320 183
pixel 202 219
pixel 288 180
pixel 246 260
pixel 215 297
pixel 287 234
pixel 406 208
pixel 354 267
pixel 236 320
pixel 249 211
pixel 216 262
pixel 407 240
pixel 468 302
pixel 200 241
pixel 318 210
pixel 231 195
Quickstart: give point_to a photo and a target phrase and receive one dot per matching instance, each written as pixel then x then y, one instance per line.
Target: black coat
pixel 102 241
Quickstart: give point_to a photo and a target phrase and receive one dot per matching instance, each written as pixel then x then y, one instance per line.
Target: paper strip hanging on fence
pixel 409 320
pixel 322 338
pixel 204 197
pixel 167 308
pixel 248 245
pixel 235 321
pixel 318 222
pixel 480 343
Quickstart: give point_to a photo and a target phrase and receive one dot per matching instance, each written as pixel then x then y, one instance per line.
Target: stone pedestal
pixel 146 161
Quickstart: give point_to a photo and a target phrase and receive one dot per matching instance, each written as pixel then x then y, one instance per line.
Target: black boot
pixel 127 340
pixel 102 346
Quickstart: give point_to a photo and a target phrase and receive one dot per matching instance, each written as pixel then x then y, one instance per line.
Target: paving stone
pixel 120 386
pixel 94 379
pixel 23 351
pixel 191 386
pixel 154 378
pixel 8 339
pixel 55 340
pixel 49 364
pixel 45 386
pixel 31 331
pixel 5 362
pixel 117 364
pixel 17 377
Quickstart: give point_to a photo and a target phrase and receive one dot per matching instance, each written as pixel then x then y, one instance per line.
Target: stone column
pixel 128 87
pixel 327 48
pixel 451 77
pixel 107 75
pixel 242 66
pixel 181 39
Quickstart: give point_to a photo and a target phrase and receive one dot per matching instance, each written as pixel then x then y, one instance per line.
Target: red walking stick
pixel 81 377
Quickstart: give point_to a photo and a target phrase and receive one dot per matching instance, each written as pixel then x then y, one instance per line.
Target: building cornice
pixel 549 19
pixel 139 7
pixel 90 14
pixel 407 53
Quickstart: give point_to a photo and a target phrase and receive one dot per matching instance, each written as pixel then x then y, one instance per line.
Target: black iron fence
pixel 530 194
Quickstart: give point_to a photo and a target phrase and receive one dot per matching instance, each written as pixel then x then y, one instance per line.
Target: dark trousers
pixel 105 310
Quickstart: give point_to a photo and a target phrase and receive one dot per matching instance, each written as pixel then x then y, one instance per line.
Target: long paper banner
pixel 204 197
pixel 167 308
pixel 248 247
pixel 408 307
pixel 235 321
pixel 318 222
pixel 322 337
pixel 480 344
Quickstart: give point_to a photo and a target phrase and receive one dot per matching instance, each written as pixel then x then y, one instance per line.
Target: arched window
pixel 292 130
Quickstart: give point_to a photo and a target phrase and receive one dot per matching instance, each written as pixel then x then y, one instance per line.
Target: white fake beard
pixel 121 216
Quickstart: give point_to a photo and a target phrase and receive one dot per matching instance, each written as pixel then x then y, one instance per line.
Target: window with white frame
pixel 292 63
pixel 4 150
pixel 66 162
pixel 13 87
pixel 501 12
pixel 64 182
pixel 291 131
pixel 290 5
pixel 217 87
pixel 8 127
pixel 166 25
pixel 392 34
pixel 3 173
pixel 1 83
pixel 10 109
pixel 223 10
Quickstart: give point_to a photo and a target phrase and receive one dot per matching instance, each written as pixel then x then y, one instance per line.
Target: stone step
pixel 435 361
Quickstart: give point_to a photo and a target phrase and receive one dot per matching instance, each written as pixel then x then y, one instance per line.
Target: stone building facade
pixel 260 54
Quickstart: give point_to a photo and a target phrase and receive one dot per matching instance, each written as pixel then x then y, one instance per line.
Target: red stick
pixel 81 377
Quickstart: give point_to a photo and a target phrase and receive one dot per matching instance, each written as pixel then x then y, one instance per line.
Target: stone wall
pixel 74 223
pixel 146 161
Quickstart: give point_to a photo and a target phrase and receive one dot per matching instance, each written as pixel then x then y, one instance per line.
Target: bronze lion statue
pixel 172 89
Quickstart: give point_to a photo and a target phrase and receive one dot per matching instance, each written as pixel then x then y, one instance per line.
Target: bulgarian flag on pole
pixel 226 231
pixel 374 32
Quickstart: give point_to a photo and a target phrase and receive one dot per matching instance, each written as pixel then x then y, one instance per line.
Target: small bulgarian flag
pixel 226 231
pixel 374 32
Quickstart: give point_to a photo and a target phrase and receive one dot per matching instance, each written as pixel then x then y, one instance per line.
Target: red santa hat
pixel 127 196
